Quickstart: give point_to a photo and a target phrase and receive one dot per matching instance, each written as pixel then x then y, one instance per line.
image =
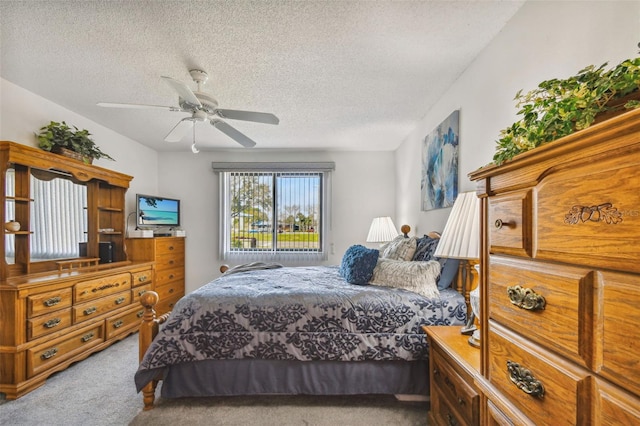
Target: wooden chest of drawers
pixel 453 366
pixel 168 255
pixel 48 321
pixel 560 274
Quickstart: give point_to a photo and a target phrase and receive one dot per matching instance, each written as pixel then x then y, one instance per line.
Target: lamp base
pixel 474 339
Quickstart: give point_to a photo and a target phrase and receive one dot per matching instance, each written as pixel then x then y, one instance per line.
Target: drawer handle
pixel 118 324
pixel 142 278
pixel 90 310
pixel 525 298
pixel 524 380
pixel 87 337
pixel 140 314
pixel 602 213
pixel 450 384
pixel 52 301
pixel 141 292
pixel 451 421
pixel 105 287
pixel 499 224
pixel 49 354
pixel 52 323
pixel 120 300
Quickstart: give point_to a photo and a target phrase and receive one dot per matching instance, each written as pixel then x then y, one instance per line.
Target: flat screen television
pixel 153 211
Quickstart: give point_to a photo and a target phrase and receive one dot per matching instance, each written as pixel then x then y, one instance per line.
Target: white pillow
pixel 419 277
pixel 400 248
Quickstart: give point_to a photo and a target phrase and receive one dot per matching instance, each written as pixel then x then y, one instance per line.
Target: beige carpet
pixel 94 393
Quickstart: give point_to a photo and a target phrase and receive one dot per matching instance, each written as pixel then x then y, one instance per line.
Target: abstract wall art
pixel 439 182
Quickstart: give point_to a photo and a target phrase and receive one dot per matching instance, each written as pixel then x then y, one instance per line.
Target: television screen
pixel 157 211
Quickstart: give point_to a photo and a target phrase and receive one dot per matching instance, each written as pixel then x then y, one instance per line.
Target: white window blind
pixel 274 211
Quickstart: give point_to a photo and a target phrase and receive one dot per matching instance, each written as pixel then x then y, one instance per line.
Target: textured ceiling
pixel 350 75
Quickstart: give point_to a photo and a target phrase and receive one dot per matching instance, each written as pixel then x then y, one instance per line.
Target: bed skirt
pixel 265 377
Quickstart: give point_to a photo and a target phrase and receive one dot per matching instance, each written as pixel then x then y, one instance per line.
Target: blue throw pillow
pixel 358 263
pixel 448 267
pixel 448 272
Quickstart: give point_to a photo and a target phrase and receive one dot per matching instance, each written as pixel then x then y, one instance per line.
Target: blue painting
pixel 439 183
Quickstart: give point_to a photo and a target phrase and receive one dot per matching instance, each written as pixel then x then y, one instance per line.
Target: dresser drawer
pixel 166 305
pixel 100 306
pixel 45 324
pixel 101 287
pixel 142 278
pixel 168 275
pixel 136 292
pixel 543 302
pixel 50 301
pixel 591 216
pixel 169 245
pixel 124 322
pixel 615 407
pixel 544 387
pixel 620 345
pixel 43 357
pixel 169 261
pixel 170 290
pixel 460 397
pixel 509 223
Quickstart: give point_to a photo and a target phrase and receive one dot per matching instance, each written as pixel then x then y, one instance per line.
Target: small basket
pixel 71 154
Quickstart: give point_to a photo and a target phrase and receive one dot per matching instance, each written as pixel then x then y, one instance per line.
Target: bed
pixel 267 329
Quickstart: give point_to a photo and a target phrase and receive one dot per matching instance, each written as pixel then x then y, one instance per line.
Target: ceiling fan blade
pixel 183 91
pixel 233 133
pixel 140 106
pixel 177 133
pixel 259 117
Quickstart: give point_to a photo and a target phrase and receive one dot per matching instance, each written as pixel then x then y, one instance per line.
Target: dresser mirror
pixel 57 211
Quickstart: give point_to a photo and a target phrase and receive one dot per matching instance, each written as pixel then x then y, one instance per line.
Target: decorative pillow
pixel 419 277
pixel 358 263
pixel 400 248
pixel 449 272
pixel 426 247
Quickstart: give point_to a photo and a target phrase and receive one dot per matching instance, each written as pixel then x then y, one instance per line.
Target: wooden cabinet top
pixel 17 153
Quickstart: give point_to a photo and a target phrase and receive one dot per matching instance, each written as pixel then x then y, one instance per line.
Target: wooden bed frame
pixel 151 324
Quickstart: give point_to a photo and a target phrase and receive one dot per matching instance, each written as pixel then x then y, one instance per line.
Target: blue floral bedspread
pixel 298 313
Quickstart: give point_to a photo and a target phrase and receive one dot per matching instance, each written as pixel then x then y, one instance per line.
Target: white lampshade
pixel 461 235
pixel 382 230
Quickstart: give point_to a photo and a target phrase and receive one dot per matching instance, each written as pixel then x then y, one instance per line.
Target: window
pixel 274 211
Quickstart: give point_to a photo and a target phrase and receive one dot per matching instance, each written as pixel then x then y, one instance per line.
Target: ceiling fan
pixel 202 107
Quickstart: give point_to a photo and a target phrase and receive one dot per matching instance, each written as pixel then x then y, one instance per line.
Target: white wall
pixel 362 188
pixel 544 40
pixel 22 113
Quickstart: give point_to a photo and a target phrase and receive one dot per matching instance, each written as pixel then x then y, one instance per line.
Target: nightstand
pixel 453 365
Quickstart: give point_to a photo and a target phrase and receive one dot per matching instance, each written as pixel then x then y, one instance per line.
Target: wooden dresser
pixel 58 306
pixel 560 274
pixel 168 255
pixel 453 367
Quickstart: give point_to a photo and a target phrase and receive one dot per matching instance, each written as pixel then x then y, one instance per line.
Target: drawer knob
pixel 52 323
pixel 524 380
pixel 52 301
pixel 525 298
